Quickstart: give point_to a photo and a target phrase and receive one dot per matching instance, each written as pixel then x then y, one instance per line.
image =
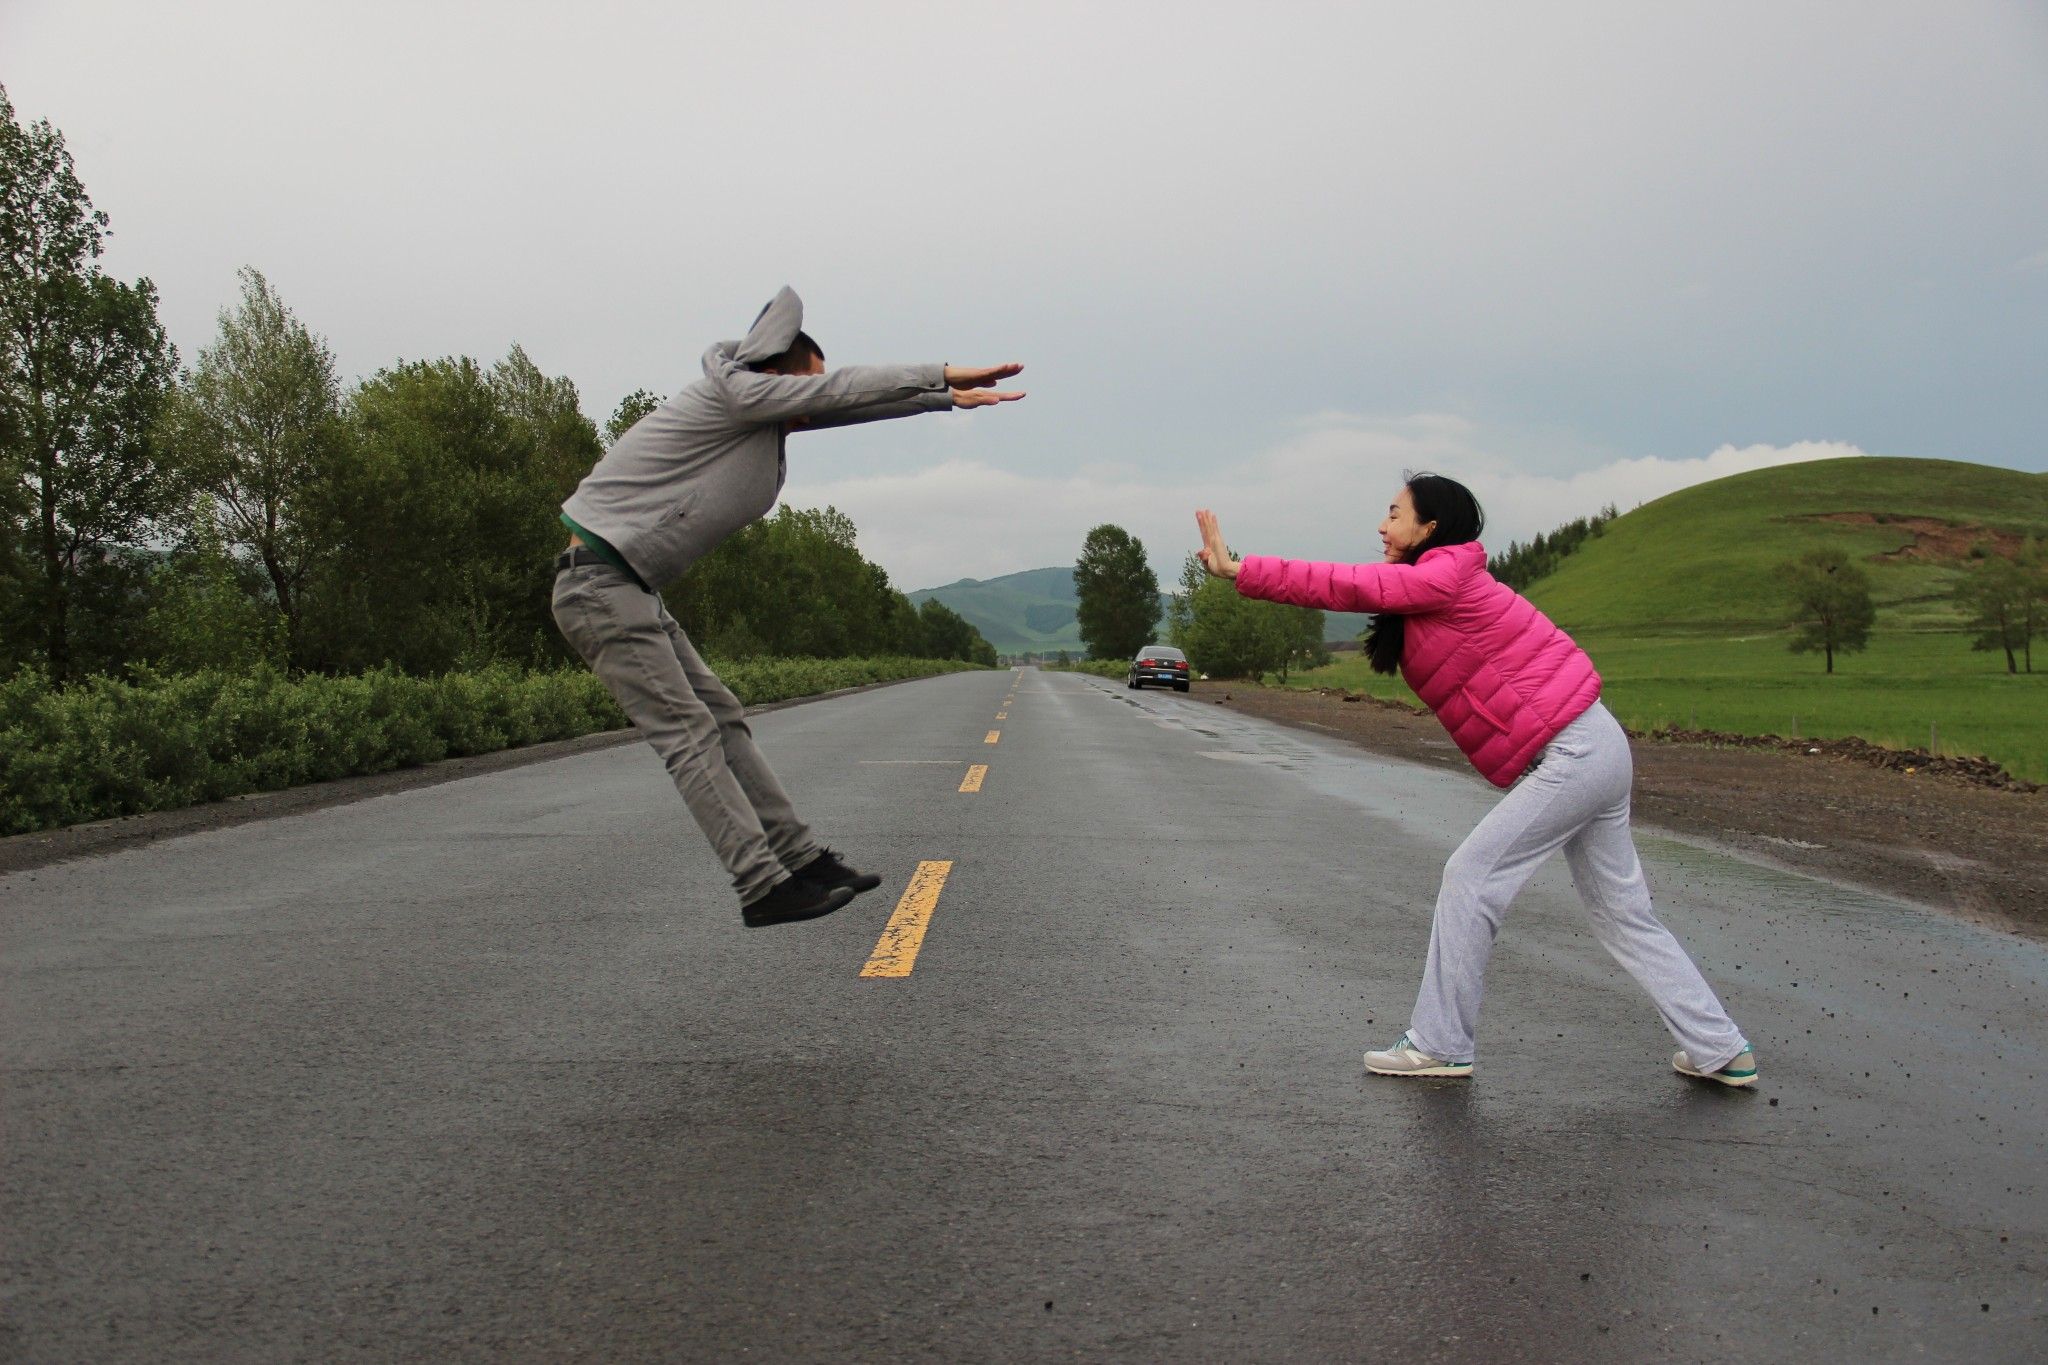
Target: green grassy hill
pixel 1033 611
pixel 1709 556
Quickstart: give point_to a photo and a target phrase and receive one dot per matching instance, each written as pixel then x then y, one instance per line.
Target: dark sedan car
pixel 1159 664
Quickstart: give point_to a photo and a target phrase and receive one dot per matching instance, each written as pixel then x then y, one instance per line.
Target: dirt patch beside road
pixel 1937 837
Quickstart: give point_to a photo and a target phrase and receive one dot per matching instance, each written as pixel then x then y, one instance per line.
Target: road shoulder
pixel 1976 852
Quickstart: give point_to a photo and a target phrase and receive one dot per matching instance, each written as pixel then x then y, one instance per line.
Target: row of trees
pixel 251 509
pixel 1520 565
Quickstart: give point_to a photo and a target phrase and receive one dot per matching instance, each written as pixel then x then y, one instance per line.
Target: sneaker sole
pixel 1425 1071
pixel 1736 1079
pixel 835 902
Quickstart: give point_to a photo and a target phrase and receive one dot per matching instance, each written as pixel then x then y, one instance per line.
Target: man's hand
pixel 980 376
pixel 1215 551
pixel 981 398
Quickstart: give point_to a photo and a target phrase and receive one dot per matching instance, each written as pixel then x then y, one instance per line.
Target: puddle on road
pixel 1801 891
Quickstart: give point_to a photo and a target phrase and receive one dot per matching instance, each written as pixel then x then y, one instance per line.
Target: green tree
pixel 558 442
pixel 2002 602
pixel 1180 606
pixel 206 610
pixel 947 635
pixel 631 409
pixel 258 431
pixel 1118 594
pixel 2033 562
pixel 1301 636
pixel 1229 636
pixel 796 584
pixel 443 514
pixel 84 367
pixel 1831 607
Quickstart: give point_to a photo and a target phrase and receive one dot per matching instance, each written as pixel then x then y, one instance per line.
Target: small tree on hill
pixel 1831 606
pixel 2006 601
pixel 1118 592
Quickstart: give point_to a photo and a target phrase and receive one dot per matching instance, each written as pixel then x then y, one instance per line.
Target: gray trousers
pixel 1575 799
pixel 690 718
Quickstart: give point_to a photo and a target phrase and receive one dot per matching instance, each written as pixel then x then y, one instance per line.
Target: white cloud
pixel 1318 494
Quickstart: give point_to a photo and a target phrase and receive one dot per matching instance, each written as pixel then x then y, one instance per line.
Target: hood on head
pixel 773 330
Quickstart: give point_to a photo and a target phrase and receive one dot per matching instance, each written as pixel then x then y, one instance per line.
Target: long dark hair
pixel 1458 519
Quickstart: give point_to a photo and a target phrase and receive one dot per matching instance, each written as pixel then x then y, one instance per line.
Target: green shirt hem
pixel 602 548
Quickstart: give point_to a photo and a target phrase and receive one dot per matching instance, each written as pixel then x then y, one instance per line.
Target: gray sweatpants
pixel 690 718
pixel 1575 799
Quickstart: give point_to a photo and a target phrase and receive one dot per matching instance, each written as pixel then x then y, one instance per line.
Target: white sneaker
pixel 1741 1070
pixel 1403 1059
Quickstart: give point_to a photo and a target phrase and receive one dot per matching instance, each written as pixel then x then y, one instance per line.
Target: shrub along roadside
pixel 108 748
pixel 1101 668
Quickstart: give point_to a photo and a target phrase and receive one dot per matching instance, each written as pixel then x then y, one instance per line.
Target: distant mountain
pixel 1033 611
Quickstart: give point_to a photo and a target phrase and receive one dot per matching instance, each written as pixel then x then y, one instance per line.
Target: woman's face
pixel 1400 532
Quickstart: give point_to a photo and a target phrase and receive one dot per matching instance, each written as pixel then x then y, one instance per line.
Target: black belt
pixel 576 556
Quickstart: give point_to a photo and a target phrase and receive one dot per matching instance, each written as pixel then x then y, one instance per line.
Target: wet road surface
pixel 491 1070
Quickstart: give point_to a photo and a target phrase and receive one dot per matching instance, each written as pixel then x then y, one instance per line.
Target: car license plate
pixel 1164 677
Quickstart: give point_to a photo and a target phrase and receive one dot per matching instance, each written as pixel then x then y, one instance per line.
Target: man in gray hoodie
pixel 687 475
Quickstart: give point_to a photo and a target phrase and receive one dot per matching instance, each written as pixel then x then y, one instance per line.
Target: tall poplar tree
pixel 84 367
pixel 258 427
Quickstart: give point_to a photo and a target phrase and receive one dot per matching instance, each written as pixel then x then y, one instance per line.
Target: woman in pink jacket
pixel 1523 702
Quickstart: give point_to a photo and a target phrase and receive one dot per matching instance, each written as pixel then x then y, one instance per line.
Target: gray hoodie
pixel 710 459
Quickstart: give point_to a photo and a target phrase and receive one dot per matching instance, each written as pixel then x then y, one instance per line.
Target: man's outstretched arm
pixel 758 396
pixel 969 387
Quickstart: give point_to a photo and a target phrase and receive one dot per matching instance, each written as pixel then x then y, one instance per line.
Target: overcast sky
pixel 1256 257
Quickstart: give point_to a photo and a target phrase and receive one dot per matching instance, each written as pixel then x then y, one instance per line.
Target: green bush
pixel 1101 668
pixel 109 748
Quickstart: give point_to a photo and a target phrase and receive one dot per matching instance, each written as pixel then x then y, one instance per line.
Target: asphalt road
pixel 490 1070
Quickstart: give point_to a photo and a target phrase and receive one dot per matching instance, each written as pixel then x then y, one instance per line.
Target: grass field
pixel 1751 684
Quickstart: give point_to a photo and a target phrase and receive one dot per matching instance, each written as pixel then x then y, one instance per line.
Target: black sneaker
pixel 792 899
pixel 827 870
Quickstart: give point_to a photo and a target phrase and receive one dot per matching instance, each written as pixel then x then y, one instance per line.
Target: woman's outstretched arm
pixel 1426 586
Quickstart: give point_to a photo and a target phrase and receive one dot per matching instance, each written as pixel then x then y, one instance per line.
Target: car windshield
pixel 1160 652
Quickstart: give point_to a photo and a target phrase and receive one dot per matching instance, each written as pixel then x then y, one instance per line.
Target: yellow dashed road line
pixel 896 953
pixel 1002 715
pixel 972 782
pixel 993 736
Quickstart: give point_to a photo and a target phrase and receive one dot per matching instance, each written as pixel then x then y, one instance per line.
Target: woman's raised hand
pixel 1215 551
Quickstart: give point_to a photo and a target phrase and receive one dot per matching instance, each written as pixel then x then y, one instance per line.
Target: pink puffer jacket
pixel 1501 678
